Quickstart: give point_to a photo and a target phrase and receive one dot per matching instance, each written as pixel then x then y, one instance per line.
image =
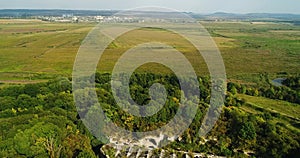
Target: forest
pixel 41 120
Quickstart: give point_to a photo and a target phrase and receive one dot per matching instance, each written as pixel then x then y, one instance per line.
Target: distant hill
pixel 27 13
pixel 248 16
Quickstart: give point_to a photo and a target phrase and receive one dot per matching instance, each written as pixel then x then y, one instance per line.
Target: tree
pixel 32 89
pixel 7 103
pixel 76 143
pixel 232 88
pixel 37 140
pixel 12 91
pixel 54 150
pixel 26 101
pixel 247 131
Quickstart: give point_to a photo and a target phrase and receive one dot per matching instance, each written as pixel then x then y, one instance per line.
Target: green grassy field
pixel 36 50
pixel 287 114
pixel 277 106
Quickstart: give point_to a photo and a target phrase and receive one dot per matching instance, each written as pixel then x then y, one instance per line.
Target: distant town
pixel 77 16
pixel 76 19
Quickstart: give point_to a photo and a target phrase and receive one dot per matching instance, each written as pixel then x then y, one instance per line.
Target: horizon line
pixel 223 12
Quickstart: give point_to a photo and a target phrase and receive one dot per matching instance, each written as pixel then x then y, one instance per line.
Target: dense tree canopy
pixel 40 120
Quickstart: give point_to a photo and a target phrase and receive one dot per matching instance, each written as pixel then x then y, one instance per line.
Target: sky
pixel 197 6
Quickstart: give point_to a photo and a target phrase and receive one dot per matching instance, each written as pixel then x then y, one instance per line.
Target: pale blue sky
pixel 199 6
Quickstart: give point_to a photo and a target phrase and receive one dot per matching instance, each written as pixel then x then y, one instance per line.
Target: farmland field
pixel 36 50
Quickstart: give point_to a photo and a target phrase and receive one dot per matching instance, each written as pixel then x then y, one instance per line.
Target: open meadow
pixel 37 50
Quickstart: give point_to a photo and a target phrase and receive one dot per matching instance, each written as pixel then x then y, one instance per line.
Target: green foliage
pixel 12 91
pixel 41 120
pixel 264 88
pixel 26 101
pixel 32 89
pixel 247 131
pixel 86 154
pixel 7 102
pixel 293 82
pixel 77 145
pixel 31 141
